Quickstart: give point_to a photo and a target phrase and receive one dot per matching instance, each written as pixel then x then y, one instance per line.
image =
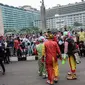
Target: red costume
pixel 51 52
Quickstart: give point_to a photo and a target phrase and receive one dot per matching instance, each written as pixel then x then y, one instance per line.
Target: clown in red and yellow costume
pixel 70 48
pixel 51 50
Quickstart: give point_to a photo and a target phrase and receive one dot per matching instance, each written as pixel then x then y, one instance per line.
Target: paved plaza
pixel 25 73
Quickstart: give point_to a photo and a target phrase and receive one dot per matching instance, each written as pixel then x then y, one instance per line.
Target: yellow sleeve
pixel 43 50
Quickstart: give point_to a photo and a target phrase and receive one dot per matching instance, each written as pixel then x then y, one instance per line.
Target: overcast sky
pixel 36 3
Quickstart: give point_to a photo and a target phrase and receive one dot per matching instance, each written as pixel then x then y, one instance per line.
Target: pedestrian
pixel 41 60
pixel 2 58
pixel 7 54
pixel 51 51
pixel 70 50
pixel 81 35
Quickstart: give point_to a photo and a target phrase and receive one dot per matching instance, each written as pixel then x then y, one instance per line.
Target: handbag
pixel 77 58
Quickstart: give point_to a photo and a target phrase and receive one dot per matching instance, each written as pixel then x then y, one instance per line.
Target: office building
pixel 61 15
pixel 18 17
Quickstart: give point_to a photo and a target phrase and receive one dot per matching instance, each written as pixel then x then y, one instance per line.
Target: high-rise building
pixel 18 17
pixel 61 15
pixel 1 24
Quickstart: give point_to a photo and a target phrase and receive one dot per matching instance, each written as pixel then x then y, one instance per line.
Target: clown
pixel 50 51
pixel 41 62
pixel 69 48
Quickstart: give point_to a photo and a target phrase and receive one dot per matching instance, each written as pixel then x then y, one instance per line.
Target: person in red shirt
pixel 51 51
pixel 16 44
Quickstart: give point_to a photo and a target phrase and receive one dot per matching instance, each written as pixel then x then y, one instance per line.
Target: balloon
pixel 63 62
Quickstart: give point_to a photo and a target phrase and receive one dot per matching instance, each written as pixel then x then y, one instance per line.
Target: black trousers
pixel 19 53
pixel 6 58
pixel 82 52
pixel 2 65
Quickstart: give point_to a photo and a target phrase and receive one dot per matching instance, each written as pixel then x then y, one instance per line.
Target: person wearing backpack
pixel 70 49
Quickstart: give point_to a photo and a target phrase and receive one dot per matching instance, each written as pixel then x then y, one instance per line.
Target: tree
pixel 10 30
pixel 35 29
pixel 29 30
pixel 70 28
pixel 24 30
pixel 77 24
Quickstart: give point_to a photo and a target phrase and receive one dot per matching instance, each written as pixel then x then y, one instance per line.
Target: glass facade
pixel 18 18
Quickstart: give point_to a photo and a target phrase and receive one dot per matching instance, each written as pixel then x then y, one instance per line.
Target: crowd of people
pixel 48 47
pixel 66 46
pixel 19 46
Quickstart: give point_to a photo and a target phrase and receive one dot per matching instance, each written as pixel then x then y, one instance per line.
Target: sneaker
pixel 48 81
pixel 56 79
pixel 51 83
pixel 72 77
pixel 44 77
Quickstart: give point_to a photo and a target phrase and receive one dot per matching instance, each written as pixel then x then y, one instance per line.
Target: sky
pixel 36 3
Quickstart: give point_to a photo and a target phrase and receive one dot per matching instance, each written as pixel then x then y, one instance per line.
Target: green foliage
pixel 23 30
pixel 9 30
pixel 77 24
pixel 29 30
pixel 70 28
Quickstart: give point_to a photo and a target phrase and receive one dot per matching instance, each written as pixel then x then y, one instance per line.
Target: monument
pixel 43 16
pixel 1 24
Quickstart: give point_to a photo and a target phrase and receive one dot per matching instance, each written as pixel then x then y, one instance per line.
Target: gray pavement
pixel 25 73
pixel 14 58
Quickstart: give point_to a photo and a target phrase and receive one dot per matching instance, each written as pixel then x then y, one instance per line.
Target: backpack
pixel 71 46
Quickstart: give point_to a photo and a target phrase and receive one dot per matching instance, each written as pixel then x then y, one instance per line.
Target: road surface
pixel 25 73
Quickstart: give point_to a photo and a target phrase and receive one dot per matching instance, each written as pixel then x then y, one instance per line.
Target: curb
pixel 27 58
